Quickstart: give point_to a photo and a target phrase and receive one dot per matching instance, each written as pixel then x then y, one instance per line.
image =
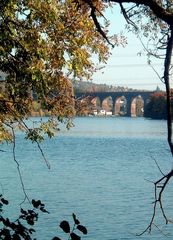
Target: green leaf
pixel 82 229
pixel 76 221
pixel 65 226
pixel 74 236
pixel 43 210
pixel 4 201
pixel 35 203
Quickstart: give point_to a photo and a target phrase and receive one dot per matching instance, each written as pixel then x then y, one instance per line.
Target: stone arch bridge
pixel 117 98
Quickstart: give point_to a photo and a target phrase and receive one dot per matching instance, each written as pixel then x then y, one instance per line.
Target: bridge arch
pixel 137 106
pixel 96 102
pixel 107 104
pixel 120 106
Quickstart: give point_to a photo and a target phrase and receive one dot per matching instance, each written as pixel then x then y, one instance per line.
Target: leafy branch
pixel 23 226
pixel 65 226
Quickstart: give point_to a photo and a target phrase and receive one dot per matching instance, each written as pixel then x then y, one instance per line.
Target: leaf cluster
pixel 71 231
pixel 156 107
pixel 22 227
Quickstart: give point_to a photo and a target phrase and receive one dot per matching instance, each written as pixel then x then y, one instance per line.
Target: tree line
pixel 156 106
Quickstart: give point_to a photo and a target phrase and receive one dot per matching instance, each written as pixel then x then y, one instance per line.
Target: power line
pixel 131 79
pixel 130 65
pixel 139 84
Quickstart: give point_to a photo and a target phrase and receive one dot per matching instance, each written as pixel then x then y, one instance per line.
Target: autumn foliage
pixel 156 107
pixel 44 47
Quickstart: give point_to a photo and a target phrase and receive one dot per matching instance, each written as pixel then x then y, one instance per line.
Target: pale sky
pixel 125 67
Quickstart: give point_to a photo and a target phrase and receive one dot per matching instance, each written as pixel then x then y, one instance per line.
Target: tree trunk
pixel 167 66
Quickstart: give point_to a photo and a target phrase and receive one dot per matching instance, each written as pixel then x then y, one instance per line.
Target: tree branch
pixel 128 20
pixel 163 181
pixel 18 166
pixel 157 9
pixel 160 184
pixel 97 24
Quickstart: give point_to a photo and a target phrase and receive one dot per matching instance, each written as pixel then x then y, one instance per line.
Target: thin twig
pixel 160 230
pixel 128 20
pixel 42 153
pixel 18 165
pixel 147 180
pixel 158 200
pixel 150 53
pixel 20 121
pixel 157 165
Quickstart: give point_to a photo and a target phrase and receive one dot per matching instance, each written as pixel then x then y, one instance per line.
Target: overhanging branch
pixel 157 9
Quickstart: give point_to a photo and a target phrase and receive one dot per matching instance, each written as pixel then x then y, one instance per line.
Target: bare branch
pixel 21 121
pixel 157 9
pixel 160 230
pixel 42 153
pixel 161 185
pixel 128 20
pixel 18 165
pixel 157 165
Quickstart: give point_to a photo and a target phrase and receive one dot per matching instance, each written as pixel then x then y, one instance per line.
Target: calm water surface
pixel 99 171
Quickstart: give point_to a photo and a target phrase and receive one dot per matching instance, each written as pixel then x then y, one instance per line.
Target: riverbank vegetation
pixel 156 107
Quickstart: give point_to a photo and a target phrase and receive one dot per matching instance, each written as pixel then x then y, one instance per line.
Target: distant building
pixel 102 112
pixel 95 112
pixel 157 89
pixel 109 113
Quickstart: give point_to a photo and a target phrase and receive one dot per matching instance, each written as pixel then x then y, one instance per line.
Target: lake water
pixel 99 171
